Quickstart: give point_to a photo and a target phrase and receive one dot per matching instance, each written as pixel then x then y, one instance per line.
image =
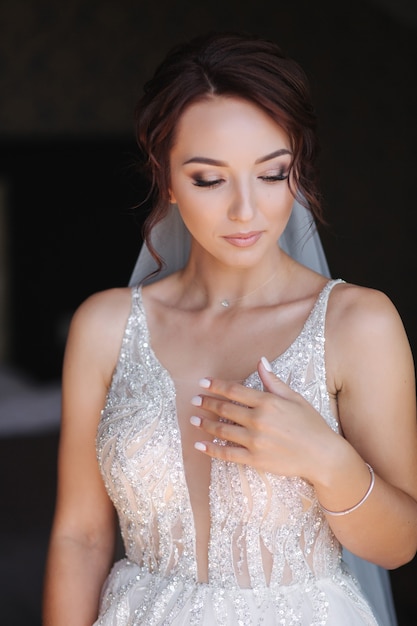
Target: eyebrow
pixel 272 155
pixel 217 163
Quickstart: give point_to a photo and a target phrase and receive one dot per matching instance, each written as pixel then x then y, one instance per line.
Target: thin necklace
pixel 226 302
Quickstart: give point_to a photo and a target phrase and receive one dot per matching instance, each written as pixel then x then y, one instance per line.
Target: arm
pixel 374 380
pixel 83 533
pixel 371 373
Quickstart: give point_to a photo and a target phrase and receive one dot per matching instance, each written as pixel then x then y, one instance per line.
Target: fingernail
pixel 266 364
pixel 200 446
pixel 204 382
pixel 197 401
pixel 195 421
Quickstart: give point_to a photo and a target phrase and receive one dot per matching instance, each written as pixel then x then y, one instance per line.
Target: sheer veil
pixel 171 240
pixel 301 241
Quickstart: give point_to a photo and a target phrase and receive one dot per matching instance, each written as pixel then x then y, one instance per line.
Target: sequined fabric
pixel 272 559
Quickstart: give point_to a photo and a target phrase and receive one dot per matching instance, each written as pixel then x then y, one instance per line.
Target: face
pixel 229 176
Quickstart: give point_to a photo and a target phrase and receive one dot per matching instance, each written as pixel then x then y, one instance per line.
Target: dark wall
pixel 73 230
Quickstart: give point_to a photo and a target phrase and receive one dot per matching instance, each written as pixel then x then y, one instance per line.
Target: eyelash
pixel 200 182
pixel 275 178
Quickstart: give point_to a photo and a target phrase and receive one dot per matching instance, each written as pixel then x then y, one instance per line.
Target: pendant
pixel 225 303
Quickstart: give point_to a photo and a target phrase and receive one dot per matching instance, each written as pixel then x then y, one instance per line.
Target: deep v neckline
pixel 329 284
pixel 251 380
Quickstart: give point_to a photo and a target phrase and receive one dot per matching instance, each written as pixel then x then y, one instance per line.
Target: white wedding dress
pixel 272 556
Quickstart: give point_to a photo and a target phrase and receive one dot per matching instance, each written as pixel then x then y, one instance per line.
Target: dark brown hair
pixel 230 64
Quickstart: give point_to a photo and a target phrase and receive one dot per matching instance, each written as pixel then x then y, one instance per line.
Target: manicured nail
pixel 266 364
pixel 195 421
pixel 197 401
pixel 204 382
pixel 200 446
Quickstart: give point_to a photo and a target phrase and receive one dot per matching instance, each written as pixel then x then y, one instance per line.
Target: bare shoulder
pixel 363 324
pixel 102 307
pixel 361 309
pixel 98 324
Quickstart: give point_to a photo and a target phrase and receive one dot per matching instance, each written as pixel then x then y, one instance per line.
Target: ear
pixel 172 198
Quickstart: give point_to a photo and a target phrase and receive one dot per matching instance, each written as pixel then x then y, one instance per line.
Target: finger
pixel 223 431
pixel 232 390
pixel 223 408
pixel 270 381
pixel 223 452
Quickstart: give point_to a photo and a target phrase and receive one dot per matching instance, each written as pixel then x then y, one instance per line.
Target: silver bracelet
pixel 353 508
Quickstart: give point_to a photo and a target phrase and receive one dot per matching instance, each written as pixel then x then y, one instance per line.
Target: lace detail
pixel 272 557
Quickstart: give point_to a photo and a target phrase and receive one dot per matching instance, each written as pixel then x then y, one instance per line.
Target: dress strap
pixel 323 298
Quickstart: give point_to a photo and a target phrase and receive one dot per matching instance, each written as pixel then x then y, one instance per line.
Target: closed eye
pixel 274 177
pixel 200 182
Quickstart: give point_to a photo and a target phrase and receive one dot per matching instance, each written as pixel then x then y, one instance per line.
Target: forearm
pixel 74 577
pixel 383 529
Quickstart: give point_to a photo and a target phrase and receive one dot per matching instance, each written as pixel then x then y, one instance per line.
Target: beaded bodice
pixel 266 530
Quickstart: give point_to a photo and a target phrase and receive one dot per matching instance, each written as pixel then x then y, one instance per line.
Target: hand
pixel 275 430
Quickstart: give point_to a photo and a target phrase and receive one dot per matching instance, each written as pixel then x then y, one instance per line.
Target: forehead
pixel 219 121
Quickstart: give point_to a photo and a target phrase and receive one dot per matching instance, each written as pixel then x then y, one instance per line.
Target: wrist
pixel 346 482
pixel 362 501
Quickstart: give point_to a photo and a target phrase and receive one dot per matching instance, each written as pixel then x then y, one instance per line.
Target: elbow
pixel 403 555
pixel 394 556
pixel 401 559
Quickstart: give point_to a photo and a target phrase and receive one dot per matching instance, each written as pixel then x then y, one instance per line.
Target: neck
pixel 227 302
pixel 225 288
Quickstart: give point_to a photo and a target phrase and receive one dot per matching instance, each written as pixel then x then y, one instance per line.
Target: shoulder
pixel 97 327
pixel 362 326
pixel 102 307
pixel 361 309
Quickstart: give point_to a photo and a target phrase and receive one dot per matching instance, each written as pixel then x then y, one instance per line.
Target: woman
pixel 249 415
pixel 300 240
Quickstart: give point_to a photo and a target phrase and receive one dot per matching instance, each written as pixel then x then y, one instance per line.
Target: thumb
pixel 270 381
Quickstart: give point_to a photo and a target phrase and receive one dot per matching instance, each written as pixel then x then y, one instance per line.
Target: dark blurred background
pixel 70 74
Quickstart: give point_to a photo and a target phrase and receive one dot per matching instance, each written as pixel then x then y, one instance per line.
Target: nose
pixel 242 204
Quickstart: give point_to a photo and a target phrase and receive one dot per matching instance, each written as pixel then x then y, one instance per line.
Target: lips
pixel 243 240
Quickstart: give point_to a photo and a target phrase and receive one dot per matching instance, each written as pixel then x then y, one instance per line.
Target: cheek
pixel 195 202
pixel 278 199
pixel 198 224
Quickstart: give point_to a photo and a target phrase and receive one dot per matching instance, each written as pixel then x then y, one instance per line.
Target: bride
pixel 250 420
pixel 301 241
